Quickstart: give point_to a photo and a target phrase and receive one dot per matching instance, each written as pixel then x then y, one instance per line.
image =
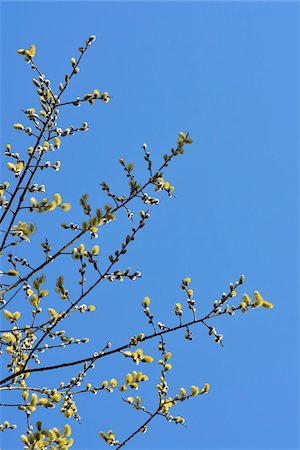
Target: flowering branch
pixel 25 340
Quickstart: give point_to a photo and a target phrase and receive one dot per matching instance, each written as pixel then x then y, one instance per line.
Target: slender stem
pixel 65 313
pixel 21 199
pixel 32 156
pixel 58 253
pixel 56 103
pixel 20 182
pixel 10 404
pixel 138 430
pixel 108 353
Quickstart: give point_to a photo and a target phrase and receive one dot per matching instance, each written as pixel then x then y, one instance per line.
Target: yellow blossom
pixel 67 430
pixel 182 392
pixel 65 206
pixel 12 273
pixel 56 141
pixel 267 304
pixel 57 198
pixel 195 391
pixel 246 299
pixel 18 126
pixel 205 388
pixel 147 359
pixel 113 382
pixel 146 301
pixel 95 250
pixel 7 314
pixel 258 298
pixel 187 280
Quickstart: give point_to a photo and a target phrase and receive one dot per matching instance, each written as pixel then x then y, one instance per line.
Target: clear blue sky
pixel 228 72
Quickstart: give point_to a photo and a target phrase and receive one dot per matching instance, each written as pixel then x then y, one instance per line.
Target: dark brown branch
pixel 110 352
pixel 138 430
pixel 58 253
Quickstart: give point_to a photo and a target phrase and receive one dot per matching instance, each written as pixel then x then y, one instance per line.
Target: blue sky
pixel 228 73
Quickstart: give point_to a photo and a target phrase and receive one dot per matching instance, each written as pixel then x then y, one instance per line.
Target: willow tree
pixel 33 328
